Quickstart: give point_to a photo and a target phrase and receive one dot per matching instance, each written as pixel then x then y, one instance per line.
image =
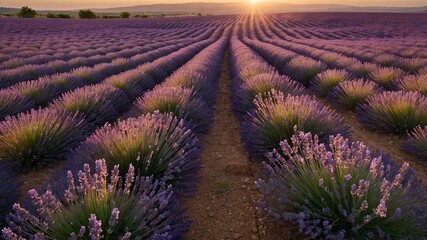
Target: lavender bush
pixel 416 142
pixel 12 102
pixel 303 69
pixel 275 116
pixel 386 77
pixel 342 193
pixel 156 144
pixel 182 102
pixel 397 112
pixel 38 137
pixel 413 83
pixel 91 103
pixel 100 208
pixel 362 70
pixel 41 92
pixel 243 99
pixel 328 79
pixel 350 93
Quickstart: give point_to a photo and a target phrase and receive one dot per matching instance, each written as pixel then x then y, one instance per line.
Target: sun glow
pixel 254 1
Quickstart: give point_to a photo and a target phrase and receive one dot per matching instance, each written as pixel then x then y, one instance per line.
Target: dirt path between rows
pixel 222 207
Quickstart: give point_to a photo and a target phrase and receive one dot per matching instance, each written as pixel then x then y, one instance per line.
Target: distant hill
pixel 234 8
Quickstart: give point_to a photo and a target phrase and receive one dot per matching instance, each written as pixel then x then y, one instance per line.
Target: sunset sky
pixel 76 4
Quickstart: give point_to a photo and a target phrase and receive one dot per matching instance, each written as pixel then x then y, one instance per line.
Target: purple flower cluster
pixel 101 208
pixel 275 116
pixel 156 144
pixel 341 191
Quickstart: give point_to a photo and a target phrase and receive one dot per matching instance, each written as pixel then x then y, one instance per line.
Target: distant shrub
pixel 328 79
pixel 342 193
pixel 182 102
pixel 9 191
pixel 386 77
pixel 27 12
pixel 303 69
pixel 348 94
pixel 86 14
pixel 63 15
pixel 12 102
pixel 124 15
pixel 51 15
pixel 88 75
pixel 243 99
pixel 39 137
pixel 156 144
pixel 275 116
pixel 416 142
pixel 413 83
pixel 59 15
pixel 397 112
pixel 96 207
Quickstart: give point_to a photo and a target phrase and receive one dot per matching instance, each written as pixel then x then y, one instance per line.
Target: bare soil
pixel 223 205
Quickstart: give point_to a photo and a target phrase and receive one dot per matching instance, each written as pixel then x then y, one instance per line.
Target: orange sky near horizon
pixel 77 4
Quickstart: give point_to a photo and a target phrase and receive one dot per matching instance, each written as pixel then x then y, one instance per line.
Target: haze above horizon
pixel 78 4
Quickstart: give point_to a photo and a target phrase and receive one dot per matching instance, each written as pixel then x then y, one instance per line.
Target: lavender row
pixel 125 49
pixel 398 112
pixel 167 149
pixel 304 171
pixel 84 109
pixel 30 94
pixel 31 72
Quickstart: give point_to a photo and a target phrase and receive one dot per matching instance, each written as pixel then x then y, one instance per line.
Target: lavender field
pixel 251 126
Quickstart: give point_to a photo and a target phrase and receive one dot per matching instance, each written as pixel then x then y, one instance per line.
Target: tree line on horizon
pixel 27 12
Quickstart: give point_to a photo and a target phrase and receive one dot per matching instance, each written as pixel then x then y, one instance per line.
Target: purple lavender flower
pixel 362 200
pixel 155 144
pixel 148 210
pixel 275 117
pixel 243 99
